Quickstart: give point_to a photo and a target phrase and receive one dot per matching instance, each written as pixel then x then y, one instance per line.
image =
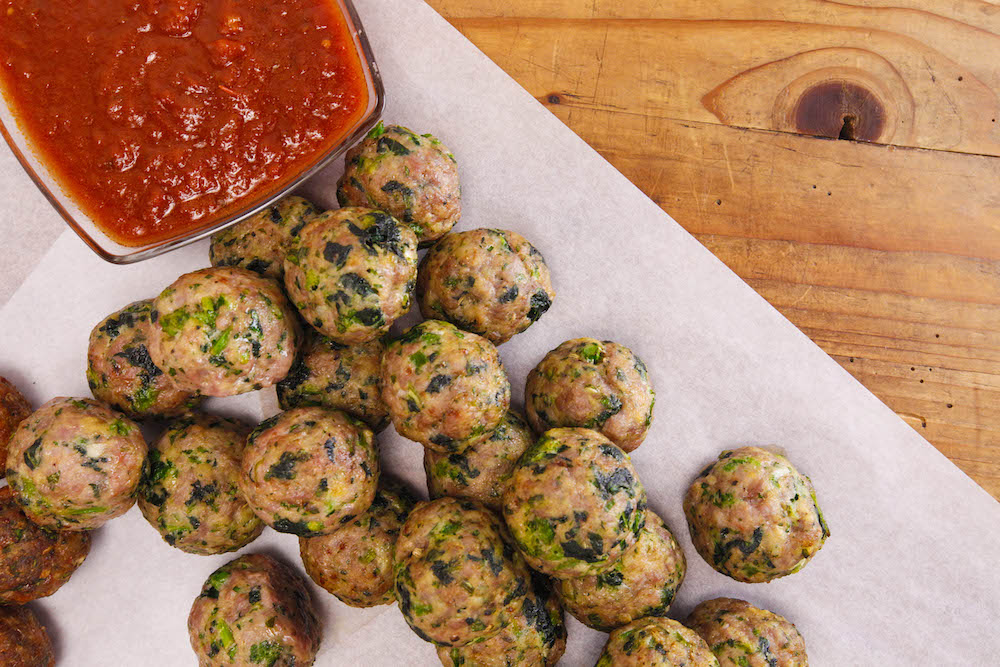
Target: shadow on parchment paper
pixel 51 627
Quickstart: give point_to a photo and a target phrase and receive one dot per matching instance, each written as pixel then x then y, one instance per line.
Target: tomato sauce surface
pixel 160 116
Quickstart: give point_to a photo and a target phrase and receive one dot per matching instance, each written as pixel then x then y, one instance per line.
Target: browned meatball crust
pixel 14 407
pixel 23 639
pixel 34 562
pixel 742 635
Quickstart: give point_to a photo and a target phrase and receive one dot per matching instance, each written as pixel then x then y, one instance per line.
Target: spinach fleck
pixel 285 467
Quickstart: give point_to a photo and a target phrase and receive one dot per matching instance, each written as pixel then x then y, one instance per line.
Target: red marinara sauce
pixel 160 116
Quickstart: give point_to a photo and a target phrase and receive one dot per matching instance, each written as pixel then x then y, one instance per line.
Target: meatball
pixel 742 635
pixel 191 492
pixel 336 376
pixel 574 503
pixel 753 516
pixel 479 472
pixel 121 373
pixel 254 611
pixel 457 579
pixel 355 561
pixel 351 273
pixel 34 562
pixel 260 242
pixel 643 582
pixel 413 178
pixel 445 388
pixel 310 470
pixel 75 463
pixel 648 642
pixel 488 281
pixel 223 331
pixel 593 384
pixel 534 637
pixel 23 640
pixel 14 407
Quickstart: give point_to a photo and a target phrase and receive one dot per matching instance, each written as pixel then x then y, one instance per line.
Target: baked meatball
pixel 254 611
pixel 479 472
pixel 649 642
pixel 643 582
pixel 534 637
pixel 753 516
pixel 13 408
pixel 413 178
pixel 191 492
pixel 593 384
pixel 260 242
pixel 23 639
pixel 488 281
pixel 457 579
pixel 121 373
pixel 310 470
pixel 336 376
pixel 445 388
pixel 75 463
pixel 355 561
pixel 223 331
pixel 574 503
pixel 351 273
pixel 34 562
pixel 742 635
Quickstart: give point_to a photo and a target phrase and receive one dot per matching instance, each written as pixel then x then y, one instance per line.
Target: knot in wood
pixel 840 110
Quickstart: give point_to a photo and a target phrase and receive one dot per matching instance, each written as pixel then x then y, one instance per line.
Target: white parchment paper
pixel 909 575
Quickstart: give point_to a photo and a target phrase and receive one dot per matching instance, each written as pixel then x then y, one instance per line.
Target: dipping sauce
pixel 161 116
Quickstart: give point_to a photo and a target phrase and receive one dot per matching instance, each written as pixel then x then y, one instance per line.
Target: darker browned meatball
pixel 34 562
pixel 23 640
pixel 13 408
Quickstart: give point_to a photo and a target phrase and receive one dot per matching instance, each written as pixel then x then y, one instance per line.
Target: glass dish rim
pixel 364 125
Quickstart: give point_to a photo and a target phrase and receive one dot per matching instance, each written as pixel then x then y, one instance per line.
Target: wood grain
pixel 885 250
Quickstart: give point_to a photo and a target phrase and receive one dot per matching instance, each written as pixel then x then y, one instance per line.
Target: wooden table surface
pixel 841 157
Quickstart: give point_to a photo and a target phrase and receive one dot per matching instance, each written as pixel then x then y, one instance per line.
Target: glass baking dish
pixel 116 253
